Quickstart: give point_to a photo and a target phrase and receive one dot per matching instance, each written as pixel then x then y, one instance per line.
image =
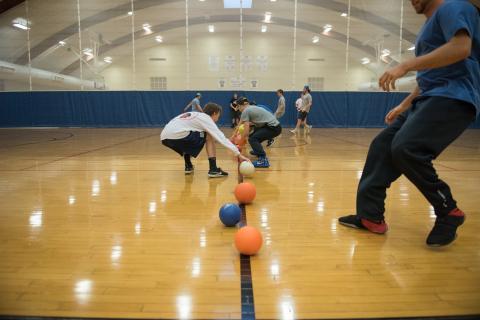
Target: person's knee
pixel 399 150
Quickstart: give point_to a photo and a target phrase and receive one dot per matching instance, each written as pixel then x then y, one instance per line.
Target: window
pixel 315 83
pixel 158 83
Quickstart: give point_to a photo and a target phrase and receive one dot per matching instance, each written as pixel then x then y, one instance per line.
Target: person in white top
pixel 189 132
pixel 299 102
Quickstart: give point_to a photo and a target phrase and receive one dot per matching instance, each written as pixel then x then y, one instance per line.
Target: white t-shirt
pixel 299 104
pixel 180 127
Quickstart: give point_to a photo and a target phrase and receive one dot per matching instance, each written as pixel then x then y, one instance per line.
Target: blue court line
pixel 246 283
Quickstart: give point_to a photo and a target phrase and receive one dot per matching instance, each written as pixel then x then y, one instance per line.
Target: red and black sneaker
pixel 444 231
pixel 354 221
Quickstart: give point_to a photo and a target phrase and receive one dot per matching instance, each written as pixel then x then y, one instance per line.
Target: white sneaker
pixel 294 131
pixel 309 128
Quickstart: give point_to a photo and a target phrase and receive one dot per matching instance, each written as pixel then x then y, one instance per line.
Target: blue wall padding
pixel 156 108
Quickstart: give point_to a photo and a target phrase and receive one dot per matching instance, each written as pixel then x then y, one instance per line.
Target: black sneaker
pixel 217 173
pixel 189 169
pixel 354 221
pixel 270 143
pixel 445 229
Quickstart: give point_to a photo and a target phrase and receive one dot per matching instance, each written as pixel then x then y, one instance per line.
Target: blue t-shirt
pixel 195 103
pixel 461 80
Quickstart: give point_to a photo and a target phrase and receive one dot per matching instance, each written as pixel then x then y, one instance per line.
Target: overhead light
pixel 147 27
pixel 202 0
pixel 108 59
pixel 130 13
pixel 315 39
pixel 211 28
pixel 88 52
pixel 62 43
pixel 21 23
pixel 159 39
pixel 365 61
pixel 327 28
pixel 273 0
pixel 385 53
pixel 344 14
pixel 264 28
pixel 268 17
pixel 411 48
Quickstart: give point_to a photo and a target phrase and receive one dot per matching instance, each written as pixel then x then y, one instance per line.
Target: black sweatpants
pixel 262 134
pixel 408 147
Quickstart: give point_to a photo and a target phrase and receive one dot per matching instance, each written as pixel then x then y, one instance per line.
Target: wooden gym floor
pixel 103 223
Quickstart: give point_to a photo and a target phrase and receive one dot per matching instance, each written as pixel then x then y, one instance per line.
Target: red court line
pixel 88 151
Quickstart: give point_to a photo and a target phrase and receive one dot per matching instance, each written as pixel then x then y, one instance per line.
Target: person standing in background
pixel 304 110
pixel 195 104
pixel 279 113
pixel 234 113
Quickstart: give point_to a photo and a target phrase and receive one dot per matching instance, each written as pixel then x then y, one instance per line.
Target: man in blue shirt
pixel 444 103
pixel 195 104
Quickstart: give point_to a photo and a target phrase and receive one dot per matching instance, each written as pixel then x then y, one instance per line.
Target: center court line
pixel 246 283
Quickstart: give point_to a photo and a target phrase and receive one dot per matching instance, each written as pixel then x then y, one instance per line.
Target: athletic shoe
pixel 445 229
pixel 261 163
pixel 270 142
pixel 354 221
pixel 308 128
pixel 217 173
pixel 294 131
pixel 189 169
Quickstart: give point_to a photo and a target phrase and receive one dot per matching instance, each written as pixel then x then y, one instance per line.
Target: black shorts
pixel 191 144
pixel 302 115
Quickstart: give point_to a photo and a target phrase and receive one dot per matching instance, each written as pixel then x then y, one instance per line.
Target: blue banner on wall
pixel 156 108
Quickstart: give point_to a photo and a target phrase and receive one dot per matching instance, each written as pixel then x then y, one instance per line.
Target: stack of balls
pixel 248 240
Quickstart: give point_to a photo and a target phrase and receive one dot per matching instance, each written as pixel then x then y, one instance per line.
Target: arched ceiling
pixel 379 21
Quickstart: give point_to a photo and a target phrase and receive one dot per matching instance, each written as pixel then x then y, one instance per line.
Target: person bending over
pixel 189 132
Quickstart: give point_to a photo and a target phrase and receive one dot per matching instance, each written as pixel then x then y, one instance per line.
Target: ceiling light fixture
pixel 344 14
pixel 365 61
pixel 159 39
pixel 268 17
pixel 327 28
pixel 130 13
pixel 411 48
pixel 87 52
pixel 315 39
pixel 264 28
pixel 62 43
pixel 21 23
pixel 211 28
pixel 147 27
pixel 108 59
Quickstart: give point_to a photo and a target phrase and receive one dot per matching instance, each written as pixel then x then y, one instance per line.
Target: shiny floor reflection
pixel 105 224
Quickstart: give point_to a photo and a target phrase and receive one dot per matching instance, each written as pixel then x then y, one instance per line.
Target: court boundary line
pixel 87 151
pixel 69 135
pixel 365 146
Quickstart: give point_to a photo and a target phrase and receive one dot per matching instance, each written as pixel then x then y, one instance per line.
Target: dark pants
pixel 408 147
pixel 262 134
